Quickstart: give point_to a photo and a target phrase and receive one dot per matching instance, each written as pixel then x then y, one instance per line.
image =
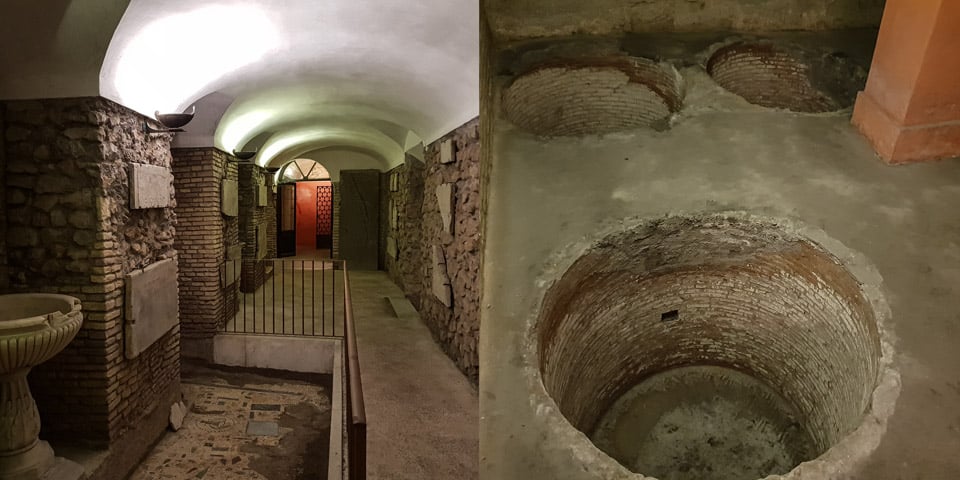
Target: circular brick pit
pixel 582 97
pixel 767 76
pixel 709 348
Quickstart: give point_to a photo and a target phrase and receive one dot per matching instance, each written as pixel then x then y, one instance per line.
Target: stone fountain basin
pixel 34 327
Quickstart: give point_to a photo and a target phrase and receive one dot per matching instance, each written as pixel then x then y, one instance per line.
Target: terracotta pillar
pixel 910 109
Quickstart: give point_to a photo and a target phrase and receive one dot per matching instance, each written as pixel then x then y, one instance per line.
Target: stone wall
pixel 456 327
pixel 71 231
pixel 407 269
pixel 203 236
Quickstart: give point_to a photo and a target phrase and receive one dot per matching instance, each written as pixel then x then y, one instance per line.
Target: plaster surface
pixel 550 200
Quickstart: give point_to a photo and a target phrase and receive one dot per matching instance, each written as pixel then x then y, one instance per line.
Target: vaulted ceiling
pixel 287 78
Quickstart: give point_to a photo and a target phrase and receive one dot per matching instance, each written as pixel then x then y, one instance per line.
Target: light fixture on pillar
pixel 244 155
pixel 172 121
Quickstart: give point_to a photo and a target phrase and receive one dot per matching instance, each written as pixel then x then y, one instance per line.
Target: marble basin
pixel 33 328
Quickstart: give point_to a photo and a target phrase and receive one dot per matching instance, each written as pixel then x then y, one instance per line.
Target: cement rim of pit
pixel 840 459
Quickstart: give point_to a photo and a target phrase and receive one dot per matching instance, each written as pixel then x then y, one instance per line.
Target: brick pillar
pixel 910 109
pixel 203 235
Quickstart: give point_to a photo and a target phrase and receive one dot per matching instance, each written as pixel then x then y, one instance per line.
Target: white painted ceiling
pixel 285 77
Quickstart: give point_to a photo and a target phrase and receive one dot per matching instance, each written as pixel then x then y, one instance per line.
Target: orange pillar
pixel 910 109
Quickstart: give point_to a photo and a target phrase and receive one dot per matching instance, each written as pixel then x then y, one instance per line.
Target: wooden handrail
pixel 357 434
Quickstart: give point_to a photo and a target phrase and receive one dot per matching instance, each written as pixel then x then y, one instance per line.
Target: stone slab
pixel 295 354
pixel 263 429
pixel 392 250
pixel 262 196
pixel 402 307
pixel 441 282
pixel 152 305
pixel 360 218
pixel 151 186
pixel 445 201
pixel 447 151
pixel 229 198
pixel 261 241
pixel 64 469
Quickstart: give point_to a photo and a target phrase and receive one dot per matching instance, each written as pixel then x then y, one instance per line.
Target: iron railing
pixel 299 297
pixel 282 297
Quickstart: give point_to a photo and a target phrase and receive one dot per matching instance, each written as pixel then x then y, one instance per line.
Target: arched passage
pixel 305 215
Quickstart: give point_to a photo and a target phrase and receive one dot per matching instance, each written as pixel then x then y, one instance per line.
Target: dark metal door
pixel 287 220
pixel 325 216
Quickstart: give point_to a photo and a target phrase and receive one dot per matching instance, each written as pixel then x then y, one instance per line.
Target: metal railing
pixel 299 297
pixel 282 297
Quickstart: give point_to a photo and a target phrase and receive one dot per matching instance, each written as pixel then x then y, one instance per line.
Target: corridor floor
pixel 422 413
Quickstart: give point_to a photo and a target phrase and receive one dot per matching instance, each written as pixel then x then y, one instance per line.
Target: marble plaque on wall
pixel 261 241
pixel 392 251
pixel 447 151
pixel 262 196
pixel 151 305
pixel 445 203
pixel 151 186
pixel 229 198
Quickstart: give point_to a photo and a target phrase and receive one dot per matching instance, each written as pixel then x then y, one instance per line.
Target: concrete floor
pixel 552 198
pixel 421 411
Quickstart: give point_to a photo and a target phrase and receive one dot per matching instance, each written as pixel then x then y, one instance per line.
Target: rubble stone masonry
pixel 70 230
pixel 456 328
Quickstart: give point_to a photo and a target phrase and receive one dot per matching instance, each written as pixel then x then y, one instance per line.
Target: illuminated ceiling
pixel 286 78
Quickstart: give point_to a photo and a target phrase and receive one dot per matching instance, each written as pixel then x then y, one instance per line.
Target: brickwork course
pixel 252 219
pixel 202 239
pixel 592 96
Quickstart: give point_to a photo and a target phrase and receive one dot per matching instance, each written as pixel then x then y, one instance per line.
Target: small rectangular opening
pixel 670 316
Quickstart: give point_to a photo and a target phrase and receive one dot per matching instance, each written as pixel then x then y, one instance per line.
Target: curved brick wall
pixel 769 77
pixel 580 97
pixel 749 297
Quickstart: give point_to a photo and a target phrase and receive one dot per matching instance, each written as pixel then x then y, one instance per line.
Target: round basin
pixel 33 328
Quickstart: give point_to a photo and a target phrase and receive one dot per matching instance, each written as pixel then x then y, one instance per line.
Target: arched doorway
pixel 305 210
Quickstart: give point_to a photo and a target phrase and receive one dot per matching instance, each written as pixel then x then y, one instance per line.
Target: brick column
pixel 203 235
pixel 910 109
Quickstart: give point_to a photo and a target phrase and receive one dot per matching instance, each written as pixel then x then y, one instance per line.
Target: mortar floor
pixel 243 425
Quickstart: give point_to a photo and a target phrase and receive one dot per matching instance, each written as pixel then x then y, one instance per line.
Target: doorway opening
pixel 305 211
